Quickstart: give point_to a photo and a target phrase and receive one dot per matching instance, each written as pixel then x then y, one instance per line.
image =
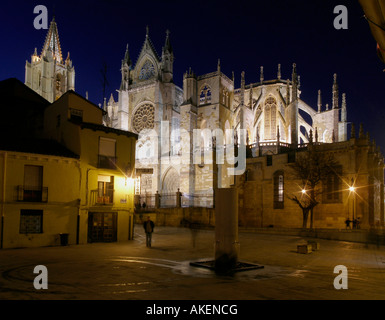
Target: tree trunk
pixel 305 213
pixel 311 218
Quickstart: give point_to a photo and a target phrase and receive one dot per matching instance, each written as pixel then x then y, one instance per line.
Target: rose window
pixel 144 118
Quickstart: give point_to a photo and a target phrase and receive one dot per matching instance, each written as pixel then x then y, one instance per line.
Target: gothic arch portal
pixel 170 181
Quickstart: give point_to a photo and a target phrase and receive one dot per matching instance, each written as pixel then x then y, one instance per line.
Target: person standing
pixel 148 229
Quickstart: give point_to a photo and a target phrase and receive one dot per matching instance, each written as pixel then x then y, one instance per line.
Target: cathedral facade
pixel 270 111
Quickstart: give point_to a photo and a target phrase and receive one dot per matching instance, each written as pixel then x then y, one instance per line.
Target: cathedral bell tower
pixel 49 74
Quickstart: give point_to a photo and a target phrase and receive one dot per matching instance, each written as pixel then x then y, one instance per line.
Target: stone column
pixel 226 229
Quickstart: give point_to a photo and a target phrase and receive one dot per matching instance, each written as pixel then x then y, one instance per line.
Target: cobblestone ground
pixel 131 271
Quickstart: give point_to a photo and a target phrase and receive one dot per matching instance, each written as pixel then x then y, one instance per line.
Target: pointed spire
pixel 335 92
pixel 167 45
pixel 343 108
pixel 361 132
pixel 294 79
pixel 111 101
pixel 126 59
pixel 251 96
pixel 243 88
pixel 147 31
pixel 261 76
pixel 353 132
pixel 52 42
pixel 311 136
pixel 219 66
pixel 279 72
pixel 287 92
pixel 319 101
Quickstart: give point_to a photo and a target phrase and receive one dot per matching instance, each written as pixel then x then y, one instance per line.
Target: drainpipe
pixel 3 199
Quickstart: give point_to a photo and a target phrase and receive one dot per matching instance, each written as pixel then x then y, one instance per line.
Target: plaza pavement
pixel 131 271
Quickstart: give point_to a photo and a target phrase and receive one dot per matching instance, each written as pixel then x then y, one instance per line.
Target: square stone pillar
pixel 226 229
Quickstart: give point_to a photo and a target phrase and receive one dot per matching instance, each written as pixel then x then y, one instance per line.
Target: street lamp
pixel 353 189
pixel 303 191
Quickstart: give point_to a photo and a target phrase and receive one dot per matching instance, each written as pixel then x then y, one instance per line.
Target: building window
pixel 76 115
pixel 144 118
pixel 31 221
pixel 291 157
pixel 33 189
pixel 107 153
pixel 269 160
pixel 278 190
pixel 270 119
pixel 331 192
pixel 205 95
pixel 105 189
pixel 147 71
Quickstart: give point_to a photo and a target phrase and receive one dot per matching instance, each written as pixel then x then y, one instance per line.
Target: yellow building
pixel 69 182
pixel 38 198
pixel 107 159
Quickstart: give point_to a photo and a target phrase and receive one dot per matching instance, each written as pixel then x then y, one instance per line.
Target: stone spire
pixel 287 92
pixel 343 108
pixel 167 44
pixel 126 60
pixel 353 132
pixel 52 42
pixel 243 88
pixel 361 132
pixel 219 66
pixel 251 96
pixel 261 77
pixel 319 101
pixel 242 99
pixel 335 92
pixel 294 79
pixel 125 70
pixel 279 72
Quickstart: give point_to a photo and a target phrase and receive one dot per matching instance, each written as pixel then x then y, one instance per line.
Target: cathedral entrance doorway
pixel 170 185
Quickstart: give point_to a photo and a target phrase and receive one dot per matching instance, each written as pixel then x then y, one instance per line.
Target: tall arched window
pixel 205 95
pixel 270 118
pixel 278 189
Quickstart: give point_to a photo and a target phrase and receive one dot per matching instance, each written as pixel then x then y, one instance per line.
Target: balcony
pixel 106 162
pixel 32 194
pixel 102 199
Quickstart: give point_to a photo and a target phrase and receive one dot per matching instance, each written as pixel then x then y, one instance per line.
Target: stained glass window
pixel 147 71
pixel 144 118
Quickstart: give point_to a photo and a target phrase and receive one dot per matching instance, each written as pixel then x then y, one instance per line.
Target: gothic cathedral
pixel 270 110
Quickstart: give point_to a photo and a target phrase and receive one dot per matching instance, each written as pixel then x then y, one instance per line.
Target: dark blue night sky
pixel 244 35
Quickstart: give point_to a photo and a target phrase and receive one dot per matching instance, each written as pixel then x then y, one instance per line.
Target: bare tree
pixel 311 167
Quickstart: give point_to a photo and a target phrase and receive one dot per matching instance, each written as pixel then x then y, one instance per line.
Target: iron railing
pixel 32 194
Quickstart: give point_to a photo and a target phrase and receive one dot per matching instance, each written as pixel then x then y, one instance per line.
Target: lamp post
pixel 352 189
